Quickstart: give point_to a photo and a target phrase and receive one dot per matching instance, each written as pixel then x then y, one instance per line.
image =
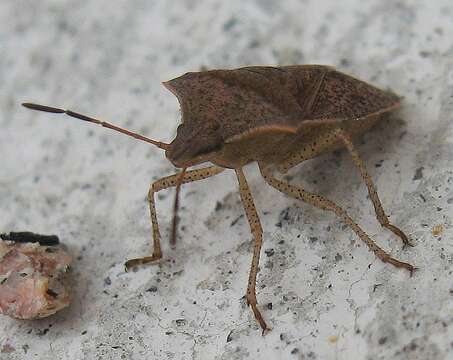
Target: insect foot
pixel 251 301
pixel 129 264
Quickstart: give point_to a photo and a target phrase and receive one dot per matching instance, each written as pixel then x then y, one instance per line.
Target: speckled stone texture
pixel 320 289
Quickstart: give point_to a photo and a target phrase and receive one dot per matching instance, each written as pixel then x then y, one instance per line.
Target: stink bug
pixel 276 116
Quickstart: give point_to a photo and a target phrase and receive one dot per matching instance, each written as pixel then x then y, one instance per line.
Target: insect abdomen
pixel 341 96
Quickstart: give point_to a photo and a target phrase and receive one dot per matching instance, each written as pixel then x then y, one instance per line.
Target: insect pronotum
pixel 277 117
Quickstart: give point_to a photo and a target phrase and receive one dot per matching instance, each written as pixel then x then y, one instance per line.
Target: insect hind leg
pixel 326 204
pixel 380 214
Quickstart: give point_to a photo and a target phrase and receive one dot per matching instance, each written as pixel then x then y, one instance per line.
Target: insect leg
pixel 161 184
pixel 324 142
pixel 257 231
pixel 325 204
pixel 380 214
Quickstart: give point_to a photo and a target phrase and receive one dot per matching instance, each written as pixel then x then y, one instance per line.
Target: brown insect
pixel 276 116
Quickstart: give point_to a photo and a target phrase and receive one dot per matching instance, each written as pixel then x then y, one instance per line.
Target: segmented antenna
pixel 73 114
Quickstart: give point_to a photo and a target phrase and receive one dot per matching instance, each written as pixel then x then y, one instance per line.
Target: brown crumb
pixel 438 230
pixel 333 339
pixel 33 280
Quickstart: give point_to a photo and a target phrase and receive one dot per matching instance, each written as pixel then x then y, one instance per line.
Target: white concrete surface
pixel 331 298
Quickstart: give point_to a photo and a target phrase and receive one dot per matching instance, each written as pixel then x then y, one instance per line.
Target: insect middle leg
pixel 257 231
pixel 380 214
pixel 161 184
pixel 326 204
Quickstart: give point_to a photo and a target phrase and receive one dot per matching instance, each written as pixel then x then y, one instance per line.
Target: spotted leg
pixel 257 231
pixel 164 183
pixel 325 204
pixel 380 214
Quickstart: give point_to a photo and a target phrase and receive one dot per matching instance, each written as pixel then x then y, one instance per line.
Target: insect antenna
pixel 76 115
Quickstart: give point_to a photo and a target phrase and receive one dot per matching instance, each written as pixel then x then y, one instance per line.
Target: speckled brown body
pixel 269 114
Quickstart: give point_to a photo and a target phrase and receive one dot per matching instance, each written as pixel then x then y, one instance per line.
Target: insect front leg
pixel 161 184
pixel 380 214
pixel 325 204
pixel 257 231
